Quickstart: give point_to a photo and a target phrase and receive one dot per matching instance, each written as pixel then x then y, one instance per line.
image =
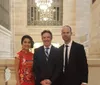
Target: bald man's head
pixel 66 33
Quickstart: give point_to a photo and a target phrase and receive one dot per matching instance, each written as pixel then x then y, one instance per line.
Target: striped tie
pixel 46 52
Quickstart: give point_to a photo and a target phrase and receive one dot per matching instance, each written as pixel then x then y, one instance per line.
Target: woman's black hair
pixel 30 38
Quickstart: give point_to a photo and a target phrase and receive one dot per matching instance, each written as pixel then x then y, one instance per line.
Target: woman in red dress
pixel 24 62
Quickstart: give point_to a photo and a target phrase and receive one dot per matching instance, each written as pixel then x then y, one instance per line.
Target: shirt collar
pixel 69 44
pixel 47 47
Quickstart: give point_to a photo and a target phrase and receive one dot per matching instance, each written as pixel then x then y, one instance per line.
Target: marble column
pixel 69 13
pixel 94 48
pixel 83 16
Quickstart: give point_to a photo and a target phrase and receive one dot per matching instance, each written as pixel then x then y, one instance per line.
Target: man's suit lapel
pixel 71 51
pixel 62 49
pixel 43 53
pixel 62 52
pixel 51 51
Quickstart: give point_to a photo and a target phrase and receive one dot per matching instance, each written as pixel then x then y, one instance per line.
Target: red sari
pixel 26 76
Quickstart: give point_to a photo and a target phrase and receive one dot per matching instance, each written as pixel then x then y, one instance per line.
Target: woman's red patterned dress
pixel 25 68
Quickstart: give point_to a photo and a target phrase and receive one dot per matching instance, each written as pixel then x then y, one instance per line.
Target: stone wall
pixel 94 42
pixel 94 71
pixel 10 64
pixel 6 54
pixel 6 50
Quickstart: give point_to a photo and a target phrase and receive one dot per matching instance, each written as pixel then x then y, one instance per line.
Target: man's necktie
pixel 47 53
pixel 66 57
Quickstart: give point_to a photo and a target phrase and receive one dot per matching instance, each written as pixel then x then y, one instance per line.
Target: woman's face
pixel 26 44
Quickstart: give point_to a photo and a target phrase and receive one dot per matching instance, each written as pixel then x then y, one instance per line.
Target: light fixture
pixel 43 4
pixel 45 9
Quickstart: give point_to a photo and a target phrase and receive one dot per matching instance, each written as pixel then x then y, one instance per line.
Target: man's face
pixel 66 34
pixel 46 38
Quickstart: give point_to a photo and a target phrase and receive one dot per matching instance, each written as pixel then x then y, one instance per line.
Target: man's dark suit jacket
pixel 77 69
pixel 44 69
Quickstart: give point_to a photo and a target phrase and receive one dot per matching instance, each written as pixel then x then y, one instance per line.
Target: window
pixel 4 14
pixel 52 16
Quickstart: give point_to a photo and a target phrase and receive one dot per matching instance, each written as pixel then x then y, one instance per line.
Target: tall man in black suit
pixel 47 64
pixel 74 62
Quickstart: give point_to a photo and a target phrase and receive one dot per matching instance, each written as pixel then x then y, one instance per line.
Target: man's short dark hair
pixel 46 31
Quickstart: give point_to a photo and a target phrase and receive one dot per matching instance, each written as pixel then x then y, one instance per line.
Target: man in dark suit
pixel 74 61
pixel 47 64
